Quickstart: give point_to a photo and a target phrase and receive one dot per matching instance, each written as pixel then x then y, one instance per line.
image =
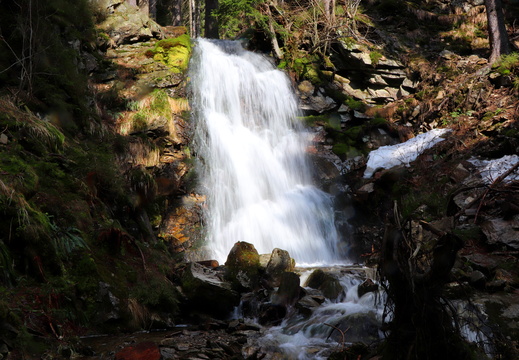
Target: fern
pixel 66 240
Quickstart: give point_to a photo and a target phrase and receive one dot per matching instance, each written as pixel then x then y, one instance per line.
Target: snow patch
pixel 386 157
pixel 490 170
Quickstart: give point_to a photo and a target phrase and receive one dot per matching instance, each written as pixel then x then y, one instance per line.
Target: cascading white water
pixel 252 149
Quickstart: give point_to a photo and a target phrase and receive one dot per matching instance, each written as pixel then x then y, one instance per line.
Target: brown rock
pixel 142 351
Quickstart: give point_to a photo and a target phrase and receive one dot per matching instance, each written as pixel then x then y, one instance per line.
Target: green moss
pixel 306 67
pixel 375 57
pixel 340 149
pixel 174 52
pixel 355 104
pixel 378 121
pixel 354 132
pixel 311 120
pixel 22 176
pixel 158 295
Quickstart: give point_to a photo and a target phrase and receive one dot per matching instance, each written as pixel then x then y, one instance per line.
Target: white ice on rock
pixel 490 170
pixel 386 157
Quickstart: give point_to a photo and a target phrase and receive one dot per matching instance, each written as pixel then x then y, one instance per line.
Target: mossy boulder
pixel 173 52
pixel 243 266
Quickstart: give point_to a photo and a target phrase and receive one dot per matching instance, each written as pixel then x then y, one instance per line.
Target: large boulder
pixel 207 292
pixel 357 327
pixel 126 24
pixel 289 291
pixel 279 263
pixel 243 266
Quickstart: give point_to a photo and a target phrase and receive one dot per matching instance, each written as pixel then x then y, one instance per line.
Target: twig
pixel 342 334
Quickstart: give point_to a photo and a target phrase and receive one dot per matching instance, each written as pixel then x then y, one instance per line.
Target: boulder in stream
pixel 289 290
pixel 280 262
pixel 327 283
pixel 242 266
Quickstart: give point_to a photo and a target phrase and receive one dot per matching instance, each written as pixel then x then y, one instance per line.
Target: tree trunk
pixel 329 10
pixel 194 18
pixel 153 9
pixel 496 30
pixel 211 22
pixel 144 6
pixel 177 13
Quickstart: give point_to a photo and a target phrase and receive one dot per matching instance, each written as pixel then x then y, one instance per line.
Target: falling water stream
pixel 255 174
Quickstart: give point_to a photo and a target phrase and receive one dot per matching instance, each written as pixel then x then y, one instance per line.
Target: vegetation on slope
pixel 79 202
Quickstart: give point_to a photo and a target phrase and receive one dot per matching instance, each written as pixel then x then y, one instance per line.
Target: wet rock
pixel 327 283
pixel 264 260
pixel 207 292
pixel 314 100
pixel 242 266
pixel 209 263
pixel 359 327
pixel 279 263
pixel 307 305
pixel 251 302
pixel 272 314
pixel 482 262
pixel 289 290
pixel 477 279
pixel 366 287
pixel 141 351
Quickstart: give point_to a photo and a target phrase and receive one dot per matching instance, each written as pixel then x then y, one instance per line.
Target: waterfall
pixel 253 169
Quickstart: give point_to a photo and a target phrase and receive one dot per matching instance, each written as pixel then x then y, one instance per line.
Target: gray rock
pixel 502 232
pixel 108 308
pixel 127 25
pixel 207 292
pixel 363 327
pixel 307 305
pixel 366 287
pixel 326 282
pixel 279 263
pixel 289 290
pixel 477 278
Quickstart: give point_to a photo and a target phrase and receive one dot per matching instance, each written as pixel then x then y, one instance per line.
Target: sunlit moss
pixel 174 52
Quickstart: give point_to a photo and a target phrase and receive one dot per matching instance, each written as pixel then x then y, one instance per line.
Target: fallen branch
pixel 339 330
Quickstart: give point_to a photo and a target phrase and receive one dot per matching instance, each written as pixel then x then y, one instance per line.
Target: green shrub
pixel 507 64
